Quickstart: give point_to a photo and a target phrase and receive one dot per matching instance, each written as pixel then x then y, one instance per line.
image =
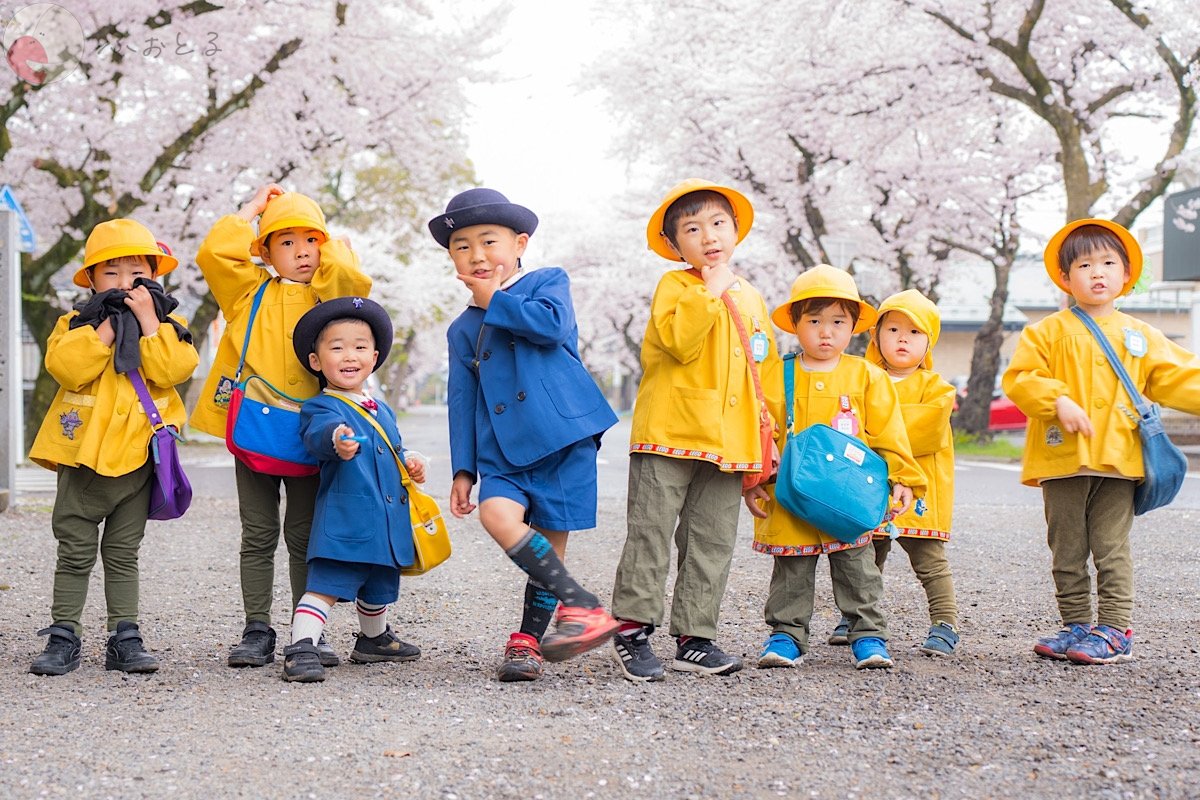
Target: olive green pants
pixel 857 589
pixel 84 500
pixel 258 505
pixel 1091 515
pixel 699 503
pixel 929 562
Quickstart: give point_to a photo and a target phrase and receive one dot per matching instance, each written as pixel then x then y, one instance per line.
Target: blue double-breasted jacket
pixel 519 392
pixel 361 513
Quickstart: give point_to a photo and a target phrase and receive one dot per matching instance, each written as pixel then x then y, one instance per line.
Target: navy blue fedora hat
pixel 481 207
pixel 304 337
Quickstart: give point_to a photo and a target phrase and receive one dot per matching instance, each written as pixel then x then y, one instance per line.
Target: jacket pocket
pixel 694 416
pixel 573 393
pixel 349 517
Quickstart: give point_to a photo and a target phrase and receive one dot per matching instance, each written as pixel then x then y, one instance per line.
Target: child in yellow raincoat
pixel 848 393
pixel 96 435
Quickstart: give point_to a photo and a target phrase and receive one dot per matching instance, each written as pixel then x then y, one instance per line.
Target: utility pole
pixel 11 396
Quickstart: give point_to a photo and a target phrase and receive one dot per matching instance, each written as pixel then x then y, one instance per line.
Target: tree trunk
pixel 973 412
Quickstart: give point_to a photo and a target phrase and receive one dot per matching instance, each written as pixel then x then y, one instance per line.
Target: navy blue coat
pixel 361 514
pixel 526 394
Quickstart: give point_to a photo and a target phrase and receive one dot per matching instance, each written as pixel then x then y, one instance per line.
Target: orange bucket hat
pixel 122 237
pixel 824 281
pixel 1133 251
pixel 289 210
pixel 656 238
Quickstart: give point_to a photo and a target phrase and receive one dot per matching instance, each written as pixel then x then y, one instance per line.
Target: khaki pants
pixel 84 500
pixel 1091 515
pixel 700 504
pixel 258 505
pixel 857 589
pixel 929 562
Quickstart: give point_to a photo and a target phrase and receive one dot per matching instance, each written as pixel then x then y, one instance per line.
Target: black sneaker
pixel 635 658
pixel 62 651
pixel 701 655
pixel 329 656
pixel 257 648
pixel 384 647
pixel 125 651
pixel 301 663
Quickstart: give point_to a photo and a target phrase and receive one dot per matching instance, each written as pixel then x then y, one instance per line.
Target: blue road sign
pixel 9 200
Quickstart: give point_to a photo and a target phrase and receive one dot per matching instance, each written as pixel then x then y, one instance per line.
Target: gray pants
pixel 84 500
pixel 929 562
pixel 699 503
pixel 857 589
pixel 258 505
pixel 1090 515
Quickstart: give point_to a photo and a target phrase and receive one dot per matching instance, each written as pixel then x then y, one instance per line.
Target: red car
pixel 1005 416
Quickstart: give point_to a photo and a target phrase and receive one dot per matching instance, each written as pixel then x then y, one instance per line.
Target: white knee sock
pixel 309 620
pixel 371 618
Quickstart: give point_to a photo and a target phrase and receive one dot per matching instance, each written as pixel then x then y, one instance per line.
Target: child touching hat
pixel 361 532
pixel 1082 444
pixel 309 267
pixel 96 434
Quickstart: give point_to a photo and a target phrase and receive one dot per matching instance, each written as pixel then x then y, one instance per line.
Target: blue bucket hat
pixel 309 327
pixel 481 207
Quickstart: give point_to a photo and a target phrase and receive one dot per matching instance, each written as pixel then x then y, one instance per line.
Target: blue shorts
pixel 558 492
pixel 346 580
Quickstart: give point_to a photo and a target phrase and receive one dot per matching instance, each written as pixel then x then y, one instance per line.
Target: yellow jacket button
pixel 820 385
pixel 733 400
pixel 292 379
pixel 737 351
pixel 1099 403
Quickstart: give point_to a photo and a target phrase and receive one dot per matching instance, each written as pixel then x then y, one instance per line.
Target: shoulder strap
pixel 258 296
pixel 152 414
pixel 1140 402
pixel 404 479
pixel 789 389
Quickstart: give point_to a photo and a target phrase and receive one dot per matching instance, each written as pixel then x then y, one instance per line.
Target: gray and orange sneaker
pixel 522 659
pixel 577 630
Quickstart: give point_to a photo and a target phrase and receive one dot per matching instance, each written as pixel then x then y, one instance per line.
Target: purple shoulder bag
pixel 171 493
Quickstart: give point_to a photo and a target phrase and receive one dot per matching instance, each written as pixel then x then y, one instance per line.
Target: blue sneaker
pixel 871 653
pixel 1056 646
pixel 1104 645
pixel 942 640
pixel 780 650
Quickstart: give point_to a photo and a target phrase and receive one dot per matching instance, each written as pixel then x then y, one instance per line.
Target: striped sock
pixel 372 619
pixel 309 619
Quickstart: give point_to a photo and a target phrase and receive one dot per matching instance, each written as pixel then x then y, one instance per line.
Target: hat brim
pixel 1133 251
pixel 166 263
pixel 510 215
pixel 656 238
pixel 258 245
pixel 304 336
pixel 782 315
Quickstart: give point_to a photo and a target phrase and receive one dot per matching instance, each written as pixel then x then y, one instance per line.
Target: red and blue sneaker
pixel 1104 645
pixel 1056 646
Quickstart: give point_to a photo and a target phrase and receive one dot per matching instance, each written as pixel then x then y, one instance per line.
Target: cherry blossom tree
pixel 177 110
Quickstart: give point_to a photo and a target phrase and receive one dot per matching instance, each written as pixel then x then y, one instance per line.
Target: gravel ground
pixel 993 722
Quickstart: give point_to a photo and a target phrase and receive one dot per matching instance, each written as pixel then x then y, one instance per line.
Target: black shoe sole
pixel 63 670
pixel 305 677
pixel 251 661
pixel 371 658
pixel 132 668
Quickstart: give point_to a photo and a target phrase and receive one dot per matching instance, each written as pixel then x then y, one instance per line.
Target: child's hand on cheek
pixel 718 277
pixel 346 449
pixel 482 289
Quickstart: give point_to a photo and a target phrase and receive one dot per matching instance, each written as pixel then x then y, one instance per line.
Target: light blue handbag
pixel 1165 464
pixel 832 481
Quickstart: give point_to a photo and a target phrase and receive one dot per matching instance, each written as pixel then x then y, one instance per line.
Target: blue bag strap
pixel 789 389
pixel 1140 402
pixel 258 296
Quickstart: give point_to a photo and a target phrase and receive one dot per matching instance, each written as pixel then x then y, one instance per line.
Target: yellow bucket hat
pixel 824 281
pixel 924 316
pixel 289 210
pixel 122 237
pixel 1132 249
pixel 656 239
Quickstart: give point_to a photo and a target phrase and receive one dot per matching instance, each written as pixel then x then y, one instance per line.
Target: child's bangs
pixel 1085 240
pixel 690 204
pixel 815 305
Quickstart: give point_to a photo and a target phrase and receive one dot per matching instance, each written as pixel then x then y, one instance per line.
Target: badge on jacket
pixel 1135 343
